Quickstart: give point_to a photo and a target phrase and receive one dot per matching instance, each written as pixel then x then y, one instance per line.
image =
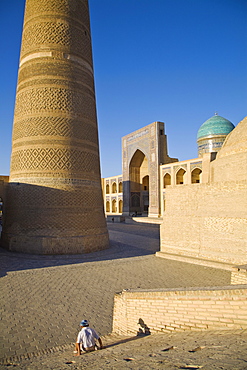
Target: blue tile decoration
pixel 215 125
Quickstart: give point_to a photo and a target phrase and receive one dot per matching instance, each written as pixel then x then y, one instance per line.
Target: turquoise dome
pixel 215 125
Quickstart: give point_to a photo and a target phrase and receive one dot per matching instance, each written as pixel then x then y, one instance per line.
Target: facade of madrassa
pixel 148 170
pixel 201 202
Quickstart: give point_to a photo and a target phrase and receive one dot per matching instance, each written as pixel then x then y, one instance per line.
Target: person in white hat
pixel 86 339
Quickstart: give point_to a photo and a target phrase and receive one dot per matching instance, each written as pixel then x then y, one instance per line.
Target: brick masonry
pixel 238 277
pixel 208 221
pixel 55 166
pixel 180 309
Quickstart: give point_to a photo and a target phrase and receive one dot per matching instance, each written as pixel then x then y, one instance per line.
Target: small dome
pixel 215 125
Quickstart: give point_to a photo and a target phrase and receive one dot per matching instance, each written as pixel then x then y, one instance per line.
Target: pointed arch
pixel 196 176
pixel 120 187
pixel 120 206
pixel 180 176
pixel 166 180
pixel 114 187
pixel 145 183
pixel 114 206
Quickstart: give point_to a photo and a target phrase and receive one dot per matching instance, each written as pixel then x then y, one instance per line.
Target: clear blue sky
pixel 175 61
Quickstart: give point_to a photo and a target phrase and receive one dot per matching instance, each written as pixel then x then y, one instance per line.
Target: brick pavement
pixel 45 297
pixel 210 350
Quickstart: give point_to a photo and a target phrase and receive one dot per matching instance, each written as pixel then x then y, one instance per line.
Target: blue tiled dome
pixel 215 125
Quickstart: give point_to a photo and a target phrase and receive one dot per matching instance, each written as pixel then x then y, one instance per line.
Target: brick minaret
pixel 54 200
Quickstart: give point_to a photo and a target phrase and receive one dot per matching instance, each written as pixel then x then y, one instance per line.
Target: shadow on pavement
pixel 125 241
pixel 126 340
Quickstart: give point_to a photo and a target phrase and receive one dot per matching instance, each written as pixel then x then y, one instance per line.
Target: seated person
pixel 86 339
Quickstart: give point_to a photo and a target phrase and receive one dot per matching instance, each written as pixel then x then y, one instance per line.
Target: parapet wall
pixel 180 309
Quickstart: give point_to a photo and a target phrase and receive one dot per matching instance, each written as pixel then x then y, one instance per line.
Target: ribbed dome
pixel 215 125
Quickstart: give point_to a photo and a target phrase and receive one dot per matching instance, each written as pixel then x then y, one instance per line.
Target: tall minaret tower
pixel 54 200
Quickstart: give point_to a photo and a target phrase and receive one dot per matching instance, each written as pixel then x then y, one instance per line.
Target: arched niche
pixel 196 176
pixel 180 176
pixel 166 180
pixel 120 206
pixel 114 206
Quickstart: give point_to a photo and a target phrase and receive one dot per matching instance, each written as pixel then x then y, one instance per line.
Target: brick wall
pixel 239 277
pixel 180 309
pixel 206 221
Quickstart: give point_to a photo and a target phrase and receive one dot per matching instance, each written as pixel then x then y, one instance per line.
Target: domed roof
pixel 236 142
pixel 215 125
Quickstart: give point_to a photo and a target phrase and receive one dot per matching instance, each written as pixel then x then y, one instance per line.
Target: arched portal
pixel 107 189
pixel 107 206
pixel 139 183
pixel 196 176
pixel 166 180
pixel 180 176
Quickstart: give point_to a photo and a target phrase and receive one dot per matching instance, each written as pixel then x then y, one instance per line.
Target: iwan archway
pixel 139 183
pixel 143 151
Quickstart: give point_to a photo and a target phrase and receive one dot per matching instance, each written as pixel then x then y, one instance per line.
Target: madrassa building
pixel 148 169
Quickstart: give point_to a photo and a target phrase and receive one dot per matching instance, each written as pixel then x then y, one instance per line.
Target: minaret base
pixel 54 245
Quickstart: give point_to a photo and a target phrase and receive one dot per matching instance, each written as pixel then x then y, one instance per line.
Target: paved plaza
pixel 45 297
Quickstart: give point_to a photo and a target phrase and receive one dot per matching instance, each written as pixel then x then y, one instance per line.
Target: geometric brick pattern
pixel 42 198
pixel 54 99
pixel 39 159
pixel 58 33
pixel 78 9
pixel 58 126
pixel 32 70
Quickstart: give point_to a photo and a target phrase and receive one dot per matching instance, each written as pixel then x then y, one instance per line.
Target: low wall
pixel 137 311
pixel 113 218
pixel 239 277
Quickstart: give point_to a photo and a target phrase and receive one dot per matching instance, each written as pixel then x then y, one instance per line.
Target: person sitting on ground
pixel 86 339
